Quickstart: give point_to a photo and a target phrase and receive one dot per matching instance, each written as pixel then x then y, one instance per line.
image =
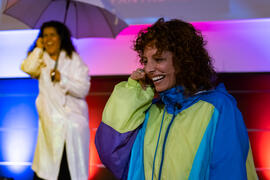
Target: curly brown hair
pixel 194 70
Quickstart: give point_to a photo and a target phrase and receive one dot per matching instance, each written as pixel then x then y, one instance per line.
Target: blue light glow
pixel 18 138
pixel 18 127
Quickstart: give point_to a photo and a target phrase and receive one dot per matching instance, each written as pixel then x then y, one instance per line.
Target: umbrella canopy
pixel 83 19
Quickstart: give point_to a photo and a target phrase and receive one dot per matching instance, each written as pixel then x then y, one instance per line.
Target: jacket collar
pixel 173 99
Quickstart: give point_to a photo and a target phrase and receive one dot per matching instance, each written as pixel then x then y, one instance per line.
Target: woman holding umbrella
pixel 169 121
pixel 63 132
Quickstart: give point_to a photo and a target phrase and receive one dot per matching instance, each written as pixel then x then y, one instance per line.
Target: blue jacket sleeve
pixel 231 143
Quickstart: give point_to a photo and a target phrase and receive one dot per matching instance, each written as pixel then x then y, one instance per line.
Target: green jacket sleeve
pixel 125 109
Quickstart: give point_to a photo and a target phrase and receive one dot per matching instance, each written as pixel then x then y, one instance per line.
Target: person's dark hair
pixel 194 70
pixel 64 33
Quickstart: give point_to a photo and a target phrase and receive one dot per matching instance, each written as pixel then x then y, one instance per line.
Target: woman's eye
pixel 159 59
pixel 143 61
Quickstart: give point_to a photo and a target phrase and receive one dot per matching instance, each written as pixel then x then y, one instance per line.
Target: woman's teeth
pixel 157 78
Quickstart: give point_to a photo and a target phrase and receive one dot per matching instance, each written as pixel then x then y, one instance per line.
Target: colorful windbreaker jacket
pixel 174 137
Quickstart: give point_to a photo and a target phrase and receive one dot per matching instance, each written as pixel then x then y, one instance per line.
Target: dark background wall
pixel 19 120
pixel 251 90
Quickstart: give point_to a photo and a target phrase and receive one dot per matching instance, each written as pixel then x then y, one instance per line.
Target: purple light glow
pixel 235 46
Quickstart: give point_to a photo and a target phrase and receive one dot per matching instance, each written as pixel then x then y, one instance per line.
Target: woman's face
pixel 159 68
pixel 51 41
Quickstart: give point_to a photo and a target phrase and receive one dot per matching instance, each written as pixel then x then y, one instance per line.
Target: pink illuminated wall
pixel 236 46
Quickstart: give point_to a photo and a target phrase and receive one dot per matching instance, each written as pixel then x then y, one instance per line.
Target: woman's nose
pixel 149 67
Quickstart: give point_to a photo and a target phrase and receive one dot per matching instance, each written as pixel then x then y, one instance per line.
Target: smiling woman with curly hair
pixel 194 70
pixel 191 130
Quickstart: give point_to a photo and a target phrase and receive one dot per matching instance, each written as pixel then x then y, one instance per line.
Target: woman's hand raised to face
pixel 140 76
pixel 39 43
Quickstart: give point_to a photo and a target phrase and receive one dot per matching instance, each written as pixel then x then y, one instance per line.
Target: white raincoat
pixel 63 114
